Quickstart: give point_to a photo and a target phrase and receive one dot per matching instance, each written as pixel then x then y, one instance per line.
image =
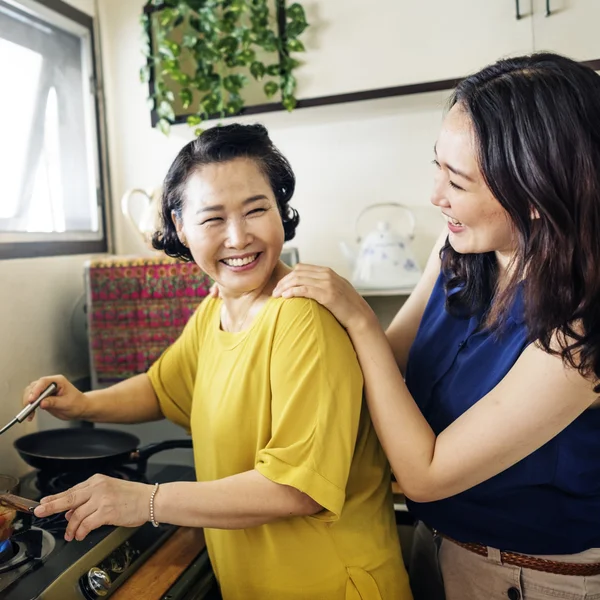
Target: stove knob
pixel 99 581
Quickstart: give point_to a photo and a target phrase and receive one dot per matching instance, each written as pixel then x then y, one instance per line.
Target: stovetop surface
pixel 71 560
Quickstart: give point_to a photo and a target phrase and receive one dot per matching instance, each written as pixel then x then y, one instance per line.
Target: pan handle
pixel 143 454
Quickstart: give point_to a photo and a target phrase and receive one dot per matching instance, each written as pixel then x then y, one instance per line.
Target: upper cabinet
pixel 354 45
pixel 570 28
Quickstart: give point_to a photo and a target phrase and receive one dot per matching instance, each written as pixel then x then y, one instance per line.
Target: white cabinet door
pixel 358 45
pixel 570 29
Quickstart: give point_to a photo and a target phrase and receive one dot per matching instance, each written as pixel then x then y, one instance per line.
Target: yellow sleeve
pixel 173 375
pixel 316 387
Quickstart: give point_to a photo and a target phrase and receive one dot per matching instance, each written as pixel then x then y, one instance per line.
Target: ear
pixel 533 213
pixel 179 227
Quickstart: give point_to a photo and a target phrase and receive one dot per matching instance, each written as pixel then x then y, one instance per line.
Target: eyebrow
pixel 455 170
pixel 217 207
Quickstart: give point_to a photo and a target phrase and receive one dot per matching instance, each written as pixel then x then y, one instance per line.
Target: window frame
pixel 62 247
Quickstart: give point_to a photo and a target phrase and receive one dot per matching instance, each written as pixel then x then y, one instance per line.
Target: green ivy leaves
pixel 270 88
pixel 234 83
pixel 258 70
pixel 207 51
pixel 186 97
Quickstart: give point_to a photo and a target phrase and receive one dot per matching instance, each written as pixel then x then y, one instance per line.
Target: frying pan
pixel 85 449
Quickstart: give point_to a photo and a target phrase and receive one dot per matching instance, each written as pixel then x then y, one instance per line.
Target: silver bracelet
pixel 152 519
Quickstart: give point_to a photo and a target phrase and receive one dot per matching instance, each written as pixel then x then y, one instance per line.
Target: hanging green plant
pixel 201 54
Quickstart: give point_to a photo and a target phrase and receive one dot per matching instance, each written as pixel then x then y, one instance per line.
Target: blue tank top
pixel 549 502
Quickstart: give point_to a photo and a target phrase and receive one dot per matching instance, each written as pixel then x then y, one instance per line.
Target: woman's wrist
pixel 363 320
pixel 86 412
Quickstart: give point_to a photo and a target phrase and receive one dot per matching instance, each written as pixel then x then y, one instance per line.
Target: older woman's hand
pixel 98 501
pixel 329 289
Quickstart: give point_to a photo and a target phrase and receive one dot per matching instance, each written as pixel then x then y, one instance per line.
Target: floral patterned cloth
pixel 136 308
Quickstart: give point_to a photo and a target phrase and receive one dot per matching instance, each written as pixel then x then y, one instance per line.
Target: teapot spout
pixel 349 254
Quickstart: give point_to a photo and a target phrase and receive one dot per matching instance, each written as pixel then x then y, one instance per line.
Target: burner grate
pixel 24 547
pixel 49 483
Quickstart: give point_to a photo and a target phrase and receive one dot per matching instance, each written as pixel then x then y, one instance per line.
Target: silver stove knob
pixel 99 581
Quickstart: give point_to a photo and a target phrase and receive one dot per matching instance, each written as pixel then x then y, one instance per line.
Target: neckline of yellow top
pixel 230 339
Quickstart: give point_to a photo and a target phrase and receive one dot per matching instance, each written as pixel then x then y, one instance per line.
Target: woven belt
pixel 531 562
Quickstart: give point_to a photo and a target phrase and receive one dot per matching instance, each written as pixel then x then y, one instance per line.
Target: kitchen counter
pixel 163 568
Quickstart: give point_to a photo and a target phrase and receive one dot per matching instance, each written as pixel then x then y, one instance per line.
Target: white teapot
pixel 142 209
pixel 385 260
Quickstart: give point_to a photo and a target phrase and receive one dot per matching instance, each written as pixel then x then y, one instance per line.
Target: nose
pixel 238 236
pixel 438 195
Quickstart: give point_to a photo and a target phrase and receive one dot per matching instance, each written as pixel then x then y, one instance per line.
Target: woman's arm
pixel 244 500
pixel 130 401
pixel 536 400
pixel 402 331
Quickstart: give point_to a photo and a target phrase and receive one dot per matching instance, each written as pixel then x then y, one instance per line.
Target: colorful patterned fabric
pixel 137 307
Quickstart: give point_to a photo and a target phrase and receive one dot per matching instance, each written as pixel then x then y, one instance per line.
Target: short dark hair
pixel 537 128
pixel 222 144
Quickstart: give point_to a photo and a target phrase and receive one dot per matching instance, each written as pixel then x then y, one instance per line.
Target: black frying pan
pixel 85 449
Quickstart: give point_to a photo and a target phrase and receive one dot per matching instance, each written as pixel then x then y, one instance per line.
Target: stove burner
pixel 50 483
pixel 33 544
pixel 7 551
pixel 19 556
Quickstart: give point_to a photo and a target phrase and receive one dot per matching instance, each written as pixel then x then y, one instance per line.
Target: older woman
pixel 293 488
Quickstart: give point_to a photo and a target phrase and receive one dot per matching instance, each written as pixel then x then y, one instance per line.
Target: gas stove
pixel 37 563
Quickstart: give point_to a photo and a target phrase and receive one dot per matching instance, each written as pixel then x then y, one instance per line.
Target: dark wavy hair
pixel 537 128
pixel 216 145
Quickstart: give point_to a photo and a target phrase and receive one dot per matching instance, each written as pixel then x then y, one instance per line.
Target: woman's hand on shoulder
pixel 330 290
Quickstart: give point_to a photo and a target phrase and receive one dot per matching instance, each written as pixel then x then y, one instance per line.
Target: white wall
pixel 37 302
pixel 40 313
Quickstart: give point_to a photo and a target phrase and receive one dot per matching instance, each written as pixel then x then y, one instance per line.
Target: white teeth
pixel 240 262
pixel 454 221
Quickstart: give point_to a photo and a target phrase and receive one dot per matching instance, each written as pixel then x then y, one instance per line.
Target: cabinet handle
pixel 548 11
pixel 517 9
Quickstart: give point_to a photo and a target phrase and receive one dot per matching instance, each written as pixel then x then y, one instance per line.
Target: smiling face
pixel 477 222
pixel 231 224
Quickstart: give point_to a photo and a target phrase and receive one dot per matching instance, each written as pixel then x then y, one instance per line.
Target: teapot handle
pixel 363 212
pixel 125 205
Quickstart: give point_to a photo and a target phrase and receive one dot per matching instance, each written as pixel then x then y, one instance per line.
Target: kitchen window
pixel 51 199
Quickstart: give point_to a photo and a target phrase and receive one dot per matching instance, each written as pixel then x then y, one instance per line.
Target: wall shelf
pixel 390 92
pixel 391 292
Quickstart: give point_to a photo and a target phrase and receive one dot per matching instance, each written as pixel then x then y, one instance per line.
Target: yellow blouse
pixel 284 397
